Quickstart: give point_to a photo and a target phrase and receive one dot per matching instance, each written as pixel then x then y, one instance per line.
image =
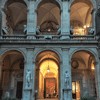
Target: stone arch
pixel 47 67
pixel 83 72
pixel 12 59
pixel 3 54
pixel 47 19
pixel 52 50
pixel 87 50
pixel 14 22
pixel 93 2
pixel 4 3
pixel 86 20
pixel 58 2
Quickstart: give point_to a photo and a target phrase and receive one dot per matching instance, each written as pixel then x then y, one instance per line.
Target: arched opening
pixel 47 75
pixel 83 75
pixel 48 17
pixel 12 70
pixel 15 13
pixel 81 17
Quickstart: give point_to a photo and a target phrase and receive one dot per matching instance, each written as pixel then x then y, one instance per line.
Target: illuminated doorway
pixel 76 90
pixel 50 87
pixel 48 76
pixel 48 79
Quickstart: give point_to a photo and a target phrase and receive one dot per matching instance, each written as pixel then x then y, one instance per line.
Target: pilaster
pixel 28 76
pixel 0 71
pixel 31 20
pixel 97 79
pixel 65 20
pixel 66 84
pixel 0 78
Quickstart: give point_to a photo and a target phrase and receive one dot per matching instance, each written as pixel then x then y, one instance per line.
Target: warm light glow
pixel 76 89
pixel 85 26
pixel 73 87
pixel 48 69
pixel 49 30
pixel 79 31
pixel 52 66
pixel 92 65
pixel 88 25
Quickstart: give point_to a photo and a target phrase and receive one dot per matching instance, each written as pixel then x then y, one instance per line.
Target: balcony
pixel 52 35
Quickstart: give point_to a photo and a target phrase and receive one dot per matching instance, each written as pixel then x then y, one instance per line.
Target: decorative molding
pixel 65 49
pixel 66 0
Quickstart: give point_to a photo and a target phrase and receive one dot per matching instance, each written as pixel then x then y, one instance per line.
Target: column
pixel 0 22
pixel 31 20
pixel 97 79
pixel 66 83
pixel 93 14
pixel 0 78
pixel 0 69
pixel 28 83
pixel 65 20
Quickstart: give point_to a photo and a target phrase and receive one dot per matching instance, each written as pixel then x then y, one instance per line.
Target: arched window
pixel 48 17
pixel 16 17
pixel 81 17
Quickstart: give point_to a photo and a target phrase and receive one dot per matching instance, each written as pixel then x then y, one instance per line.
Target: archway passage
pixel 11 72
pixel 83 75
pixel 81 17
pixel 15 14
pixel 48 75
pixel 48 17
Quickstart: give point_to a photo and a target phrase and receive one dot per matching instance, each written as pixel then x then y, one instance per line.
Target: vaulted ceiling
pixel 81 13
pixel 50 11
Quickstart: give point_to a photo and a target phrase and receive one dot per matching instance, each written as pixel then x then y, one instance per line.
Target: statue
pixel 25 29
pixel 7 29
pixel 91 30
pixel 59 29
pixel 67 81
pixel 71 31
pixel 28 77
pixel 38 30
pixel 7 95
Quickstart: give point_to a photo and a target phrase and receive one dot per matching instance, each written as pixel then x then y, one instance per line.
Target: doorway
pixel 83 75
pixel 19 90
pixel 47 76
pixel 50 89
pixel 76 90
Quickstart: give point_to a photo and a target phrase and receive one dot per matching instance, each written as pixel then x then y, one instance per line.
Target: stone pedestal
pixel 97 79
pixel 66 94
